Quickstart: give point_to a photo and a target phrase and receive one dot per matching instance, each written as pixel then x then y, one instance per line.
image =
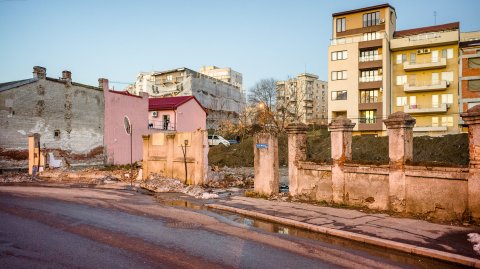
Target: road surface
pixel 67 227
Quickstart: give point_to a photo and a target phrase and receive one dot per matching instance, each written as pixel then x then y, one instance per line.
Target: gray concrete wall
pixel 48 105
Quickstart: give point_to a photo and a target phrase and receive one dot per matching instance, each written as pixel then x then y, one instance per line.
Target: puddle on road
pixel 409 260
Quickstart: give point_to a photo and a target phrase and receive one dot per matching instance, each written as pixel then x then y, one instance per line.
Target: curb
pixel 407 248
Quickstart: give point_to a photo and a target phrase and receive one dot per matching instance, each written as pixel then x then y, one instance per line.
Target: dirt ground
pixel 448 150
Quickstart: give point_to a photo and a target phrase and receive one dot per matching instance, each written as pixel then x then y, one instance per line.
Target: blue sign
pixel 261 146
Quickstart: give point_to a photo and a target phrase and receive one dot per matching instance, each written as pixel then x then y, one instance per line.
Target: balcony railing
pixel 425 64
pixel 161 125
pixel 370 58
pixel 367 120
pixel 424 86
pixel 416 109
pixel 370 79
pixel 356 39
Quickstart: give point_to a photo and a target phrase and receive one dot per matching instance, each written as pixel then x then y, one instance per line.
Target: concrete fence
pixel 163 154
pixel 447 193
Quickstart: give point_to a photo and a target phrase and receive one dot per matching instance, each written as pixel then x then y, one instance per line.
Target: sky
pixel 117 39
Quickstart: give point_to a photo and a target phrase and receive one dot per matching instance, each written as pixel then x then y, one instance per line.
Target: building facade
pixel 67 115
pixel 222 100
pixel 302 99
pixel 425 77
pixel 469 81
pixel 359 67
pixel 225 74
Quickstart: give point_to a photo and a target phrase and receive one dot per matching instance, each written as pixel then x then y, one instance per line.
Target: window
pixel 447 121
pixel 368 116
pixel 369 96
pixel 169 77
pixel 470 105
pixel 370 19
pixel 371 36
pixel 435 121
pixel 474 62
pixel 413 58
pixel 339 55
pixel 413 101
pixel 56 134
pixel 401 58
pixel 401 101
pixel 448 76
pixel 447 53
pixel 341 25
pixel 369 55
pixel 435 56
pixel 447 98
pixel 435 101
pixel 473 85
pixel 370 75
pixel 339 95
pixel 401 80
pixel 339 75
pixel 435 80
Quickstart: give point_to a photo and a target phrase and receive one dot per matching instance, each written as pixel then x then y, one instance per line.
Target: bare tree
pixel 264 92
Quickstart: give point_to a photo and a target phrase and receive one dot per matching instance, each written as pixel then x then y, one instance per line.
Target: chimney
pixel 39 72
pixel 103 83
pixel 66 75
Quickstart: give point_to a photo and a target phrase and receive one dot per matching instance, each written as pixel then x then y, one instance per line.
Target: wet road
pixel 56 227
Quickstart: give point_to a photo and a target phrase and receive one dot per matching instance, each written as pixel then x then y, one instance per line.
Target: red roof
pixel 170 103
pixel 428 29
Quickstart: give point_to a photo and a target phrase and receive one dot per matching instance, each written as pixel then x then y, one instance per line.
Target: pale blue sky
pixel 118 39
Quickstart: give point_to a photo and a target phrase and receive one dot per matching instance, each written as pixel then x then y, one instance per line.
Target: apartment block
pixel 469 81
pixel 425 77
pixel 302 99
pixel 225 74
pixel 359 67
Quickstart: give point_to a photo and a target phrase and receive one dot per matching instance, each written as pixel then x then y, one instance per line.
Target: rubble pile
pixel 157 183
pixel 226 177
pixel 16 177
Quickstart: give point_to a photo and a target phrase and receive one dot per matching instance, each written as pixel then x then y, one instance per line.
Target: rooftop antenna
pixel 305 65
pixel 434 17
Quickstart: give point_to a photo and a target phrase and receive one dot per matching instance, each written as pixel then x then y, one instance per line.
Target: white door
pixel 435 80
pixel 435 101
pixel 435 56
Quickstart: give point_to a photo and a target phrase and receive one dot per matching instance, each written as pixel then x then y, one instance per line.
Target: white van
pixel 214 140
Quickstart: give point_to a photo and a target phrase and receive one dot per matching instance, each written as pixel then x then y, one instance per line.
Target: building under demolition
pixel 223 100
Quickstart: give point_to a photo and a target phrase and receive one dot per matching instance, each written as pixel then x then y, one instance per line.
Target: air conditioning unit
pixel 155 114
pixel 426 51
pixel 420 51
pixel 382 21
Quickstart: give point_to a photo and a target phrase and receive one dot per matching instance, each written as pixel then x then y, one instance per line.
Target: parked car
pixel 214 140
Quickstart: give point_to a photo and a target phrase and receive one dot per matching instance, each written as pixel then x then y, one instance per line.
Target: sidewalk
pixel 423 234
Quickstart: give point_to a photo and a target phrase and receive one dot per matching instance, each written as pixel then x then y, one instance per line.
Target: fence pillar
pixel 341 137
pixel 266 163
pixel 400 150
pixel 297 151
pixel 472 119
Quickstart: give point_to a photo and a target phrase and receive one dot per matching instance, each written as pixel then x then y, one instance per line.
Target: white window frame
pixel 413 100
pixel 447 76
pixel 401 101
pixel 447 98
pixel 435 101
pixel 434 121
pixel 434 56
pixel 401 80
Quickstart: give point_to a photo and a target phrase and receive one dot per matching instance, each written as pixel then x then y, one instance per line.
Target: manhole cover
pixel 182 225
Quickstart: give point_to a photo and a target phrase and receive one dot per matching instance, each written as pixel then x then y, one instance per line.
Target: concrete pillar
pixel 265 149
pixel 400 150
pixel 341 137
pixel 471 118
pixel 146 154
pixel 297 151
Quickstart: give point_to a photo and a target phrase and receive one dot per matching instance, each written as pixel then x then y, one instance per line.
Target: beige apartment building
pixel 359 67
pixel 425 77
pixel 302 99
pixel 225 74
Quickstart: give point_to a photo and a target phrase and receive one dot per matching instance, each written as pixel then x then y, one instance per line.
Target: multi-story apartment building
pixel 224 74
pixel 222 100
pixel 302 99
pixel 469 70
pixel 359 66
pixel 425 77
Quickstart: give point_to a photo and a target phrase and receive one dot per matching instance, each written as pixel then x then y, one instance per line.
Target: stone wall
pixel 67 115
pixel 162 155
pixel 445 193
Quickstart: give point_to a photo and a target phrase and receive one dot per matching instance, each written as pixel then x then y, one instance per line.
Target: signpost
pixel 261 146
pixel 129 129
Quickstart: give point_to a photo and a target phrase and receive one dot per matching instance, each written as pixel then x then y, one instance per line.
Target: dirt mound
pixel 157 183
pixel 16 177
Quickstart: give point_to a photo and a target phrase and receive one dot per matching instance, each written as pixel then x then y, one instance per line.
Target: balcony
pixel 426 86
pixel 415 109
pixel 424 65
pixel 370 58
pixel 370 79
pixel 430 128
pixel 161 125
pixel 370 62
pixel 356 39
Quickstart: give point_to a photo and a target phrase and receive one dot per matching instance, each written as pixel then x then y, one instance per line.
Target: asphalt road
pixel 58 227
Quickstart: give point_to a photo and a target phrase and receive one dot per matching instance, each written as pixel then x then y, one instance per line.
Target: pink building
pixel 119 105
pixel 180 113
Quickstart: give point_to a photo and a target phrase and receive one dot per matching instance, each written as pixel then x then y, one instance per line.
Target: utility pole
pixel 434 17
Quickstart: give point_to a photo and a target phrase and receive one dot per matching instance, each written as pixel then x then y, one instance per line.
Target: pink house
pixel 179 113
pixel 118 106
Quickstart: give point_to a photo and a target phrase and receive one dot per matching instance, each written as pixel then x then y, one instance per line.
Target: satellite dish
pixel 127 125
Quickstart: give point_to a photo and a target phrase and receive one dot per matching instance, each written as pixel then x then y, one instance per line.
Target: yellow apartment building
pixel 425 77
pixel 359 67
